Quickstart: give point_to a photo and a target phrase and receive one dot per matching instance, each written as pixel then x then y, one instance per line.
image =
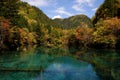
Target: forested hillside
pixel 106 31
pixel 109 9
pixel 34 16
pixel 22 24
pixel 74 21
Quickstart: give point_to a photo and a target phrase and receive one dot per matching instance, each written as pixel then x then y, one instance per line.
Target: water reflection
pixel 106 63
pixel 37 64
pixel 70 69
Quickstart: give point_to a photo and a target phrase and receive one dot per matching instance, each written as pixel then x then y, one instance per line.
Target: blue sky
pixel 66 8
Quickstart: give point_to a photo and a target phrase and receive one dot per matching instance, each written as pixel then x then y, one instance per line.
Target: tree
pixel 9 10
pixel 4 31
pixel 84 35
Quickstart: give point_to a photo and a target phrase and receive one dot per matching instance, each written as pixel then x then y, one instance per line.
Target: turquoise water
pixel 106 63
pixel 42 64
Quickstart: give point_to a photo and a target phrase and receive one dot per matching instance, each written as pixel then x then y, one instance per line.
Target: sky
pixel 66 8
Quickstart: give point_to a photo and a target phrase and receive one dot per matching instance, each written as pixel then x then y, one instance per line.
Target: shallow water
pixel 41 65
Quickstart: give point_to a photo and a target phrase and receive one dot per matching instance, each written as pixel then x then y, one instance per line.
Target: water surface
pixel 43 65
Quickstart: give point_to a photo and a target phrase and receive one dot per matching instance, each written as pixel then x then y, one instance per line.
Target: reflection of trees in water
pixel 30 48
pixel 116 70
pixel 20 75
pixel 106 63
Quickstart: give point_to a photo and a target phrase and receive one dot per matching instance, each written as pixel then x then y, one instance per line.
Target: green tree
pixel 9 10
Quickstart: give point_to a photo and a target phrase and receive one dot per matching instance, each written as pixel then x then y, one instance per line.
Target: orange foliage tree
pixel 5 25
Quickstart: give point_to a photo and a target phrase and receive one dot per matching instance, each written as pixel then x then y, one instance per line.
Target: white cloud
pixel 62 10
pixel 94 9
pixel 78 8
pixel 81 4
pixel 87 2
pixel 39 2
pixel 91 2
pixel 58 16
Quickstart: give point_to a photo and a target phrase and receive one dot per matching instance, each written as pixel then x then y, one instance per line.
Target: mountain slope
pixel 74 21
pixel 24 25
pixel 34 16
pixel 109 9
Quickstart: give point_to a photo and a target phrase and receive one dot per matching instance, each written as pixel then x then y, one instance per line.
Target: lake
pixel 58 64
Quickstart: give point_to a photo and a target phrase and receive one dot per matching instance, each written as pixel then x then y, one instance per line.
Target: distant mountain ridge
pixel 74 21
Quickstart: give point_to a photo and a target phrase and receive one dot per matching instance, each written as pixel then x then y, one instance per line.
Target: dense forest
pixel 74 21
pixel 22 24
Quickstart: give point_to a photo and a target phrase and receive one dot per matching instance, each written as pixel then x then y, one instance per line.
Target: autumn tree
pixel 107 33
pixel 82 37
pixel 4 31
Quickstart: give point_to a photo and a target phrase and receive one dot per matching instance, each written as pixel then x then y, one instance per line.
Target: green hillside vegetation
pixel 34 16
pixel 106 31
pixel 28 25
pixel 106 21
pixel 38 22
pixel 74 21
pixel 109 9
